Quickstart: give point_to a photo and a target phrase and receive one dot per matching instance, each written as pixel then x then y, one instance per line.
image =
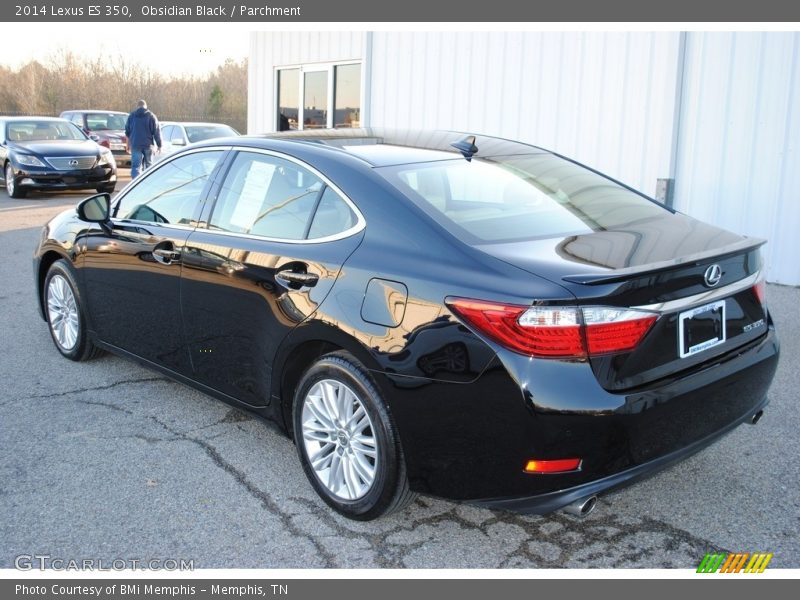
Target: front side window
pixel 172 193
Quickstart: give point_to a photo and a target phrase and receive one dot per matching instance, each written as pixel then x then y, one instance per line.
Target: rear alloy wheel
pixel 64 314
pixel 11 185
pixel 347 441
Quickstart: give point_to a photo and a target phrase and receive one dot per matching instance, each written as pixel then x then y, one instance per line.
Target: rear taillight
pixel 760 290
pixel 610 330
pixel 556 331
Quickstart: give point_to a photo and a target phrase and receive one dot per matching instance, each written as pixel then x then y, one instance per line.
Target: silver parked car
pixel 177 135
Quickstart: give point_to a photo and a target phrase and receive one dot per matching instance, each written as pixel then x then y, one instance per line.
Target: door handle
pixel 296 280
pixel 166 256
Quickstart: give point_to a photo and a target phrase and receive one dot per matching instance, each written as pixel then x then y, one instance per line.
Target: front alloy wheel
pixel 11 185
pixel 62 303
pixel 62 312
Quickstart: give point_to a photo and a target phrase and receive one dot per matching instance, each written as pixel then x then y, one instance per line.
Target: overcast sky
pixel 171 49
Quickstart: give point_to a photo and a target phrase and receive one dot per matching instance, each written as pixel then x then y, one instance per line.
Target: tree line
pixel 66 81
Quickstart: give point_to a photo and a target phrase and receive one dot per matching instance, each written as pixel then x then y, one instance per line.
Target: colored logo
pixel 741 562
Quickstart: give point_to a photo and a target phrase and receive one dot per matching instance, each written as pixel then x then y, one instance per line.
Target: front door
pixel 132 272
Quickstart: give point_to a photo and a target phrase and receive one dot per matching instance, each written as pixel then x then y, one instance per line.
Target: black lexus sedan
pixel 461 316
pixel 48 154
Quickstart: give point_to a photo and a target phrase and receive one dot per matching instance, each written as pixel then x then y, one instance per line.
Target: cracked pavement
pixel 106 459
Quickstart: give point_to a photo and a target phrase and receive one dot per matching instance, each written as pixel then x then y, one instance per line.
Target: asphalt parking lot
pixel 108 460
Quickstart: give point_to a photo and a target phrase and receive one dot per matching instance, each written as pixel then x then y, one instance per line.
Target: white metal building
pixel 717 114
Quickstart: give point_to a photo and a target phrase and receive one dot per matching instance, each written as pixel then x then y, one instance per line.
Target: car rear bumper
pixel 475 439
pixel 552 501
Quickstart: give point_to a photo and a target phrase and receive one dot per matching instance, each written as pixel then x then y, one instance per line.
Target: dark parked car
pixel 107 128
pixel 480 320
pixel 48 154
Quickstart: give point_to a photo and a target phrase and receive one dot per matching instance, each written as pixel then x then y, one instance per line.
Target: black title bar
pixel 363 11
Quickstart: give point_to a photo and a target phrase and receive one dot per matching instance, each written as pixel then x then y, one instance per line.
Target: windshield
pixel 198 133
pixel 35 131
pixel 512 198
pixel 105 121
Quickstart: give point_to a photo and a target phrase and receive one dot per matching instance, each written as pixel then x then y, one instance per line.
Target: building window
pixel 347 97
pixel 315 100
pixel 318 96
pixel 288 103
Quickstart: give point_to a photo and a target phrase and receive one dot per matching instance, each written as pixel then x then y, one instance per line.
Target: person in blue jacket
pixel 143 132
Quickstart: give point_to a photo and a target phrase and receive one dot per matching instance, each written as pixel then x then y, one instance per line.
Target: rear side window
pixel 518 197
pixel 333 216
pixel 272 197
pixel 172 193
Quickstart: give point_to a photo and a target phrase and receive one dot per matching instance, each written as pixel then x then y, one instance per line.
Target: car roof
pixel 381 147
pixel 94 110
pixel 194 124
pixel 34 118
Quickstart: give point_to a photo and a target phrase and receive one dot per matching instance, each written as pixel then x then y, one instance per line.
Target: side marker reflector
pixel 561 465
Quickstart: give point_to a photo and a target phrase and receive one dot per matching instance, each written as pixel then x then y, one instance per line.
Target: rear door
pixel 132 271
pixel 271 251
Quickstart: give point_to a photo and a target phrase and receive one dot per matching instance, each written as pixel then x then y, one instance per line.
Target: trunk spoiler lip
pixel 617 275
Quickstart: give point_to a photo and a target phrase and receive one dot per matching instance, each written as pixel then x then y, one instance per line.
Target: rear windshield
pixel 105 121
pixel 521 197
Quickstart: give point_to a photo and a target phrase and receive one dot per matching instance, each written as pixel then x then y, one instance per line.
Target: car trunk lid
pixel 661 266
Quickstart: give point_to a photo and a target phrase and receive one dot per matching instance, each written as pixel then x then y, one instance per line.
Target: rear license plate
pixel 119 147
pixel 701 328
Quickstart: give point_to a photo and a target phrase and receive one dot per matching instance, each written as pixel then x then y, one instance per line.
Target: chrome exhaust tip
pixel 756 417
pixel 581 508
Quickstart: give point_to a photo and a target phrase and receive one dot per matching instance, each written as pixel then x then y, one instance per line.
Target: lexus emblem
pixel 713 275
pixel 73 163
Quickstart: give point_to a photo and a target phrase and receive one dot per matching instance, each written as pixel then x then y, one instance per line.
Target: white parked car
pixel 175 136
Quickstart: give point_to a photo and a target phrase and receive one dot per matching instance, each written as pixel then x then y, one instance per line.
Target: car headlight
pixel 106 158
pixel 27 160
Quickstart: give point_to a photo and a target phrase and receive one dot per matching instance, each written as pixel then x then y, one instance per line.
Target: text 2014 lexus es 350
pixel 423 312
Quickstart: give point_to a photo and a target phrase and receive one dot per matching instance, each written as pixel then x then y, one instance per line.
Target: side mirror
pixel 178 142
pixel 95 209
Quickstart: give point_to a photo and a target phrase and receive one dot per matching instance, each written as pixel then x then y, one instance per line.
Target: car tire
pixel 65 313
pixel 107 188
pixel 11 187
pixel 347 441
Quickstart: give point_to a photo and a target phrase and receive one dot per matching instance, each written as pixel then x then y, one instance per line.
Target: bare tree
pixel 66 81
